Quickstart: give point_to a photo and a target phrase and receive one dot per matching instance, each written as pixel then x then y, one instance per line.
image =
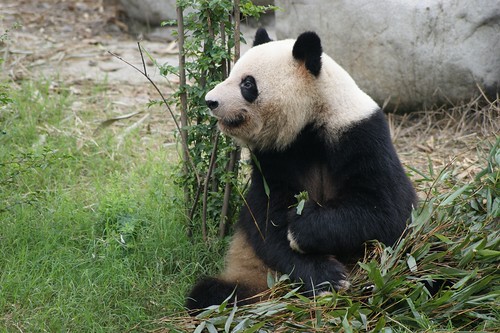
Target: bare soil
pixel 70 42
pixel 75 44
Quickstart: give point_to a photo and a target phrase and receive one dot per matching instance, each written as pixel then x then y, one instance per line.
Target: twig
pixel 483 94
pixel 205 187
pixel 142 58
pixel 195 202
pixel 237 30
pixel 234 156
pixel 183 142
pixel 129 129
pixel 183 99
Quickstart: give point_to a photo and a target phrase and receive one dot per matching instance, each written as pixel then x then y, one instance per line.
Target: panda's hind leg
pixel 244 276
pixel 213 291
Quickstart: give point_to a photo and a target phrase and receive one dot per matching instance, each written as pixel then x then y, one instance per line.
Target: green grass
pixel 92 236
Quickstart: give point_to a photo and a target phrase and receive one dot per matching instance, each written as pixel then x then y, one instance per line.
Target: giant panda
pixel 309 128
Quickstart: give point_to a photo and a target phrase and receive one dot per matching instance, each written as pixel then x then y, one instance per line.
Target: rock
pixel 417 53
pixel 263 2
pixel 151 12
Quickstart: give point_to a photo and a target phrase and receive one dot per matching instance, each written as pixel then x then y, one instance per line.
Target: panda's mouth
pixel 233 121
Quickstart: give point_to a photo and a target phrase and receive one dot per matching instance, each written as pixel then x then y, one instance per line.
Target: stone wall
pixel 415 53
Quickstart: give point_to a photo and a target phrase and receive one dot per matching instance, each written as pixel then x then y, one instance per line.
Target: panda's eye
pixel 249 89
pixel 248 83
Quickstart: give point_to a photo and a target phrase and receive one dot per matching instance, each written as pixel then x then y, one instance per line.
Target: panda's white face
pixel 279 87
pixel 267 98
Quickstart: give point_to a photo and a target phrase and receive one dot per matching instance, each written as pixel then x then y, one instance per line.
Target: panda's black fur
pixel 358 191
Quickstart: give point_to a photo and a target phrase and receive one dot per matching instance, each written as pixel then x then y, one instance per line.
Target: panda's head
pixel 278 87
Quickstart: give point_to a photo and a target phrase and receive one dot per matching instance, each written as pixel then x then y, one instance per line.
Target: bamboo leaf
pixel 255 327
pixel 346 325
pixel 230 318
pixel 200 327
pixel 443 238
pixel 412 264
pixel 211 328
pixel 454 195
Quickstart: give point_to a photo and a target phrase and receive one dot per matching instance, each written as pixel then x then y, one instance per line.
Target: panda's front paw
pixel 299 231
pixel 337 274
pixel 325 274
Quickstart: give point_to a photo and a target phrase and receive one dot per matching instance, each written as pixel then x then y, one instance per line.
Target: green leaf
pixel 270 279
pixel 488 253
pixel 380 325
pixel 211 328
pixel 257 164
pixel 454 195
pixel 255 327
pixel 373 272
pixel 302 197
pixel 242 325
pixel 346 325
pixel 230 318
pixel 443 238
pixel 200 327
pixel 412 264
pixel 300 207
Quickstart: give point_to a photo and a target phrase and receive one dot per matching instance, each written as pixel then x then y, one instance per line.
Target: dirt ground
pixel 74 39
pixel 74 43
pixel 71 41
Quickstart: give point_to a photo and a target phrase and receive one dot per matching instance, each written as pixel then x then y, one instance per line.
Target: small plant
pixel 302 198
pixel 4 89
pixel 209 39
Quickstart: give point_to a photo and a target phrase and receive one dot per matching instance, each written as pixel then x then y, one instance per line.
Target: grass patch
pixel 92 236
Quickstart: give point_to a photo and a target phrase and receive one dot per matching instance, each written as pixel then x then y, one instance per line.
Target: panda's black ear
pixel 307 48
pixel 261 37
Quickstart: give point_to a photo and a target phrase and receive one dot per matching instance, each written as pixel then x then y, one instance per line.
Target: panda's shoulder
pixel 373 125
pixel 367 140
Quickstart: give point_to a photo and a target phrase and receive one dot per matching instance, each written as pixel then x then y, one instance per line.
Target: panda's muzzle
pixel 233 120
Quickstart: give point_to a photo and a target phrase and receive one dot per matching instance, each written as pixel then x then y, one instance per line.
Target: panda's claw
pixel 343 285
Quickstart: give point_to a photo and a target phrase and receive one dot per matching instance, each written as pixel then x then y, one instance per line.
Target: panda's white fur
pixel 289 97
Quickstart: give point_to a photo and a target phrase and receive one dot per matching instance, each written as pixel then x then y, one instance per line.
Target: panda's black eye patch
pixel 249 89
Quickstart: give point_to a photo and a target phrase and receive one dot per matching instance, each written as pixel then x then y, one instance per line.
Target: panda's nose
pixel 212 104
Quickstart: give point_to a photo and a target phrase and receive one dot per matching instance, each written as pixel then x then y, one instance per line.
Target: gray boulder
pixel 414 53
pixel 153 12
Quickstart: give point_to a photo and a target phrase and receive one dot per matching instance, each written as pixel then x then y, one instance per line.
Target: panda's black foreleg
pixel 317 272
pixel 344 228
pixel 213 291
